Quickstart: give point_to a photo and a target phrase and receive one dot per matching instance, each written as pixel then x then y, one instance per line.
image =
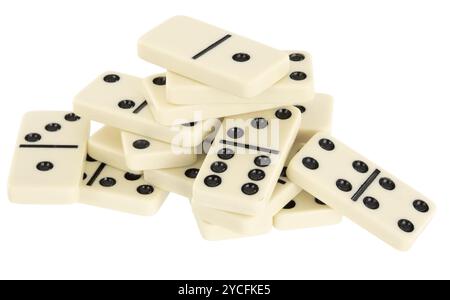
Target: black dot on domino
pixel 387 183
pixel 262 161
pixel 301 108
pixel 283 172
pixel 298 76
pixel 90 158
pixel 225 153
pixel 256 174
pixel 259 123
pixel 291 204
pixel 406 225
pixel 235 132
pixel 33 137
pixel 132 177
pixel 421 206
pixel 190 124
pixel 241 57
pixel 296 57
pixel 107 182
pixel 318 201
pixel 191 173
pixel 371 203
pixel 283 114
pixel 141 144
pixel 126 104
pixel 145 189
pixel 212 180
pixel 219 167
pixel 343 185
pixel 84 176
pixel 44 166
pixel 52 127
pixel 159 80
pixel 71 117
pixel 250 189
pixel 111 78
pixel 326 144
pixel 360 166
pixel 310 163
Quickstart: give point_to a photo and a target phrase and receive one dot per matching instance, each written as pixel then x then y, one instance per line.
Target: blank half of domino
pixel 111 188
pixel 118 100
pixel 106 145
pixel 362 191
pixel 305 211
pixel 243 165
pixel 297 87
pixel 48 161
pixel 213 56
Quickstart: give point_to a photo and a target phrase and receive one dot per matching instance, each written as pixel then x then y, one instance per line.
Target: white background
pixel 385 62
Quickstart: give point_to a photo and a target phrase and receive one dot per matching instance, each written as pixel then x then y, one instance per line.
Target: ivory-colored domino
pixel 284 191
pixel 108 187
pixel 143 153
pixel 294 88
pixel 243 165
pixel 177 180
pixel 118 100
pixel 213 56
pixel 360 190
pixel 167 113
pixel 317 116
pixel 106 145
pixel 305 211
pixel 49 158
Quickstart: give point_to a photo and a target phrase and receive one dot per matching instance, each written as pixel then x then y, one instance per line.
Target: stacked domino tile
pixel 233 125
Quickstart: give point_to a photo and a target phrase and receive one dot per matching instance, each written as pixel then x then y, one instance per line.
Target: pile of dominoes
pixel 233 125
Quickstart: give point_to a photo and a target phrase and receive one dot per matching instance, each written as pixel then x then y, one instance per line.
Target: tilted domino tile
pixel 294 88
pixel 305 211
pixel 250 225
pixel 167 113
pixel 177 180
pixel 213 56
pixel 243 165
pixel 118 100
pixel 360 190
pixel 317 115
pixel 108 187
pixel 49 158
pixel 216 233
pixel 143 153
pixel 284 191
pixel 106 145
